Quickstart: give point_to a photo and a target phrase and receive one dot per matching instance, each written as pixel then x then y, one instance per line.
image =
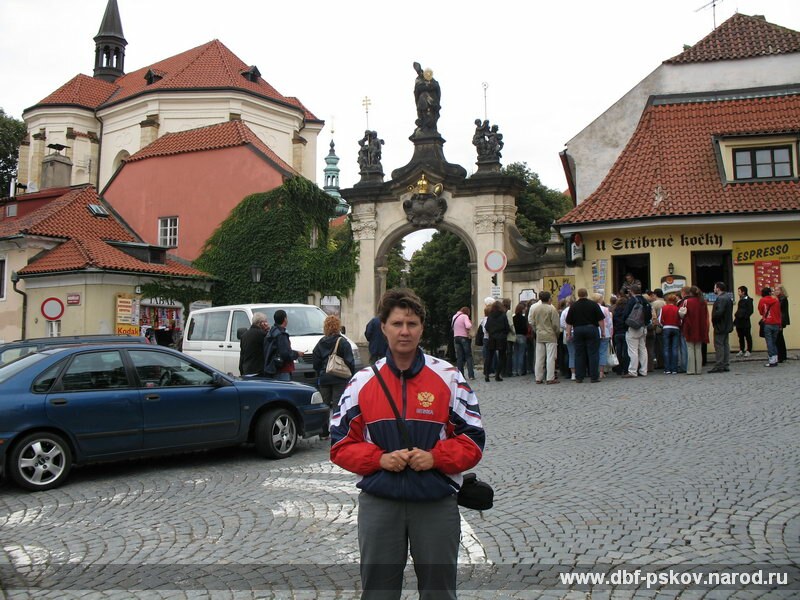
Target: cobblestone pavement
pixel 689 472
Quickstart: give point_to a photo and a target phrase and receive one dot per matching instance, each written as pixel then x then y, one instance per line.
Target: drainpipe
pixel 14 281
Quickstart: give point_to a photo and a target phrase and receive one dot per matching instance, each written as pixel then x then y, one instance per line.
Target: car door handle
pixel 58 401
pixel 152 397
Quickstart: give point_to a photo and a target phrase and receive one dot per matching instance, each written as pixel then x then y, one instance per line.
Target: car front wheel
pixel 276 433
pixel 40 461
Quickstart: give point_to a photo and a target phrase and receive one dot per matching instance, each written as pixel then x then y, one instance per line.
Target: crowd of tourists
pixel 634 333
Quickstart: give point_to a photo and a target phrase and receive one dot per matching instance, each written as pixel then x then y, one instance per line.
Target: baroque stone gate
pixel 430 192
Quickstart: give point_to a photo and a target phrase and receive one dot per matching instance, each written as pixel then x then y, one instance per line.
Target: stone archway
pixel 429 192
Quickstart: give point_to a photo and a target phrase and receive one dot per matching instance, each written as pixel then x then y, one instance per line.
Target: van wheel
pixel 40 461
pixel 276 433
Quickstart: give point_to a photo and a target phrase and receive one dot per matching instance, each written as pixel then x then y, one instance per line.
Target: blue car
pixel 61 407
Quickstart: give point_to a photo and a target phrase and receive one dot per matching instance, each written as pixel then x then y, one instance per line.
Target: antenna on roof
pixel 713 5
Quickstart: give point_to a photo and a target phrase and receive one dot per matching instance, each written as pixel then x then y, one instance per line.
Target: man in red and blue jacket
pixel 408 488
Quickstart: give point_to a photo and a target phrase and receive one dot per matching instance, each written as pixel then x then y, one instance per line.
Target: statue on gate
pixel 369 153
pixel 427 96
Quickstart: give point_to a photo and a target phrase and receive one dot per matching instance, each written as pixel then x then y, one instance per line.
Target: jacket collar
pixel 413 370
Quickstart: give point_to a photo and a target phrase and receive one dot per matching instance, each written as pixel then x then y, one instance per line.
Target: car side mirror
pixel 240 332
pixel 217 380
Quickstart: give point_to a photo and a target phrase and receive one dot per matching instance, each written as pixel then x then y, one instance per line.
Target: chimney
pixel 56 169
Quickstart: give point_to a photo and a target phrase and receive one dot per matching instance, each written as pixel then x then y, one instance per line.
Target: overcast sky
pixel 551 66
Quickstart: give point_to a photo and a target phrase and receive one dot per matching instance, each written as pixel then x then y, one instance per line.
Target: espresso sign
pixel 748 253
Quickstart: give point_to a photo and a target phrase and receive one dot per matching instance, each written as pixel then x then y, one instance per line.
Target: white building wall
pixel 596 148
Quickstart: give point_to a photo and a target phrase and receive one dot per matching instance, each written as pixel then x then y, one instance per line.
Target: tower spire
pixel 109 53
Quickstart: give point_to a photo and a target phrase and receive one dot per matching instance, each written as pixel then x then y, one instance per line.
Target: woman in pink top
pixel 462 341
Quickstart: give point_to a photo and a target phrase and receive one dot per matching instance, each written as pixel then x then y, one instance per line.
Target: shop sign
pixel 560 287
pixel 647 242
pixel 672 284
pixel 161 301
pixel 124 310
pixel 768 273
pixel 527 294
pixel 747 253
pixel 125 329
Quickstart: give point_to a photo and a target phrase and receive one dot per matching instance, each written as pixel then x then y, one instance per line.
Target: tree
pixel 440 275
pixel 396 263
pixel 537 206
pixel 285 233
pixel 12 132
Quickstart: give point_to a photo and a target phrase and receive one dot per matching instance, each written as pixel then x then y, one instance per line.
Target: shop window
pixel 168 232
pixel 763 163
pixel 711 267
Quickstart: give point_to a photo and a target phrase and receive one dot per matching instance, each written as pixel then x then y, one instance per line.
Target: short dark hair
pixel 279 317
pixel 721 285
pixel 636 289
pixel 400 298
pixel 544 296
pixel 765 291
pixel 659 293
pixel 744 289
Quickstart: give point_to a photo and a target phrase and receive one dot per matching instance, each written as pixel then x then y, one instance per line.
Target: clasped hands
pixel 419 460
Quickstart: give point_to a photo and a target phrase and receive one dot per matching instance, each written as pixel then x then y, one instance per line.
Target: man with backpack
pixel 638 315
pixel 278 354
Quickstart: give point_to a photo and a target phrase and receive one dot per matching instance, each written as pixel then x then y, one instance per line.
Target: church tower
pixel 332 180
pixel 109 54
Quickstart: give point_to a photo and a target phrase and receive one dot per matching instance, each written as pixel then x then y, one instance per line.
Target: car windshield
pixel 9 370
pixel 301 320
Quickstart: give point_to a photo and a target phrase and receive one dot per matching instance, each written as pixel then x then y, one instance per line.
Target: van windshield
pixel 300 320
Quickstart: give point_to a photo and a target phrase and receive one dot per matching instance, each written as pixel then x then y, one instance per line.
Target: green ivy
pixel 273 230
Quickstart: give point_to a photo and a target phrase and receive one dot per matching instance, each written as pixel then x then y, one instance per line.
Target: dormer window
pixel 763 163
pixel 152 76
pixel 11 210
pixel 251 74
pixel 748 158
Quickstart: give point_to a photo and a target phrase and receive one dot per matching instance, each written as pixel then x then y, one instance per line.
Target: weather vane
pixel 366 104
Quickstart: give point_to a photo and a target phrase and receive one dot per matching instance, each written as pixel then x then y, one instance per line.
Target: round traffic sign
pixel 495 261
pixel 52 309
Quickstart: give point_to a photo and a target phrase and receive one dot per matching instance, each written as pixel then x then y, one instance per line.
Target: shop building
pixel 70 266
pixel 706 190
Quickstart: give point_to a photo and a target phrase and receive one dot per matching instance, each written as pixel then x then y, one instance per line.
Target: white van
pixel 212 335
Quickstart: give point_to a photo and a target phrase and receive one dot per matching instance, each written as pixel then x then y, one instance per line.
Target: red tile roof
pixel 669 167
pixel 741 36
pixel 213 137
pixel 85 239
pixel 207 67
pixel 82 90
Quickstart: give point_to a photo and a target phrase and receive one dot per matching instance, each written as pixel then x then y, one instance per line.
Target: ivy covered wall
pixel 285 232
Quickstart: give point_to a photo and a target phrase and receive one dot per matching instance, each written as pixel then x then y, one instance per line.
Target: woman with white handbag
pixel 334 363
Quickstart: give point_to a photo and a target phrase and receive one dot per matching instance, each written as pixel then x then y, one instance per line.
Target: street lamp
pixel 255 277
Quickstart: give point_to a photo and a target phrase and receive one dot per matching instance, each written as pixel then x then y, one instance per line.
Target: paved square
pixel 694 472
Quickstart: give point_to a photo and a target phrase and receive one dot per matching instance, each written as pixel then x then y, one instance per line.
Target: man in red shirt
pixel 770 310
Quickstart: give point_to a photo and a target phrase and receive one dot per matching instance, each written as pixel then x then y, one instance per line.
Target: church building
pixel 203 112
